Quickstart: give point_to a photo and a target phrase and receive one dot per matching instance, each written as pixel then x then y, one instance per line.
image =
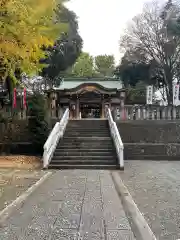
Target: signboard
pixel 176 94
pixel 149 95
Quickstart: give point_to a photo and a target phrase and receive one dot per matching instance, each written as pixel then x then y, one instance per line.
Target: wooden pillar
pixel 103 109
pixel 77 108
pixel 103 105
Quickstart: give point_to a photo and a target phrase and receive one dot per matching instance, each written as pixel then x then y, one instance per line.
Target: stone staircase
pixel 86 144
pixel 150 140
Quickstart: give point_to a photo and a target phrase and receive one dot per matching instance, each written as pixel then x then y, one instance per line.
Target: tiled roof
pixel 111 83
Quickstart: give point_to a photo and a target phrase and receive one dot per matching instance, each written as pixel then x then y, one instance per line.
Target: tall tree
pixel 66 49
pixel 132 69
pixel 149 34
pixel 104 65
pixel 23 33
pixel 84 66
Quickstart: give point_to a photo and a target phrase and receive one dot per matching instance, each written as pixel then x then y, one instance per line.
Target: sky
pixel 101 23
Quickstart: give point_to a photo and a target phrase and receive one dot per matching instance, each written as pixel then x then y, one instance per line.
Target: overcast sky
pixel 102 21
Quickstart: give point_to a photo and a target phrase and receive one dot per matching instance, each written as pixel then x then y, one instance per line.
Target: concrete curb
pixel 5 213
pixel 139 225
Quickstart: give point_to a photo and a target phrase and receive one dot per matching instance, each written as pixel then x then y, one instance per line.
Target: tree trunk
pixel 169 85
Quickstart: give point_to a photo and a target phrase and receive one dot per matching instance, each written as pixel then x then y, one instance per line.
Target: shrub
pixel 37 124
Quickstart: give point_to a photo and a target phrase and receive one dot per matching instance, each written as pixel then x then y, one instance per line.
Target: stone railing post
pixel 158 113
pixel 174 112
pixel 147 113
pixel 144 113
pixel 139 113
pixel 163 113
pixel 169 112
pixel 152 113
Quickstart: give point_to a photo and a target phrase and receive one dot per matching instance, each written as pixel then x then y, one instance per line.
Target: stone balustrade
pixel 139 112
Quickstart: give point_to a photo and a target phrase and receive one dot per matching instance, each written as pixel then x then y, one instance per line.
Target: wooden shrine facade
pixel 86 98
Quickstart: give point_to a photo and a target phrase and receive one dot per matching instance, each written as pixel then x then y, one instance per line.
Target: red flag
pixel 24 99
pixel 14 98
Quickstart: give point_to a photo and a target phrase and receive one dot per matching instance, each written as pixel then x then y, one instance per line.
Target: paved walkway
pixel 72 204
pixel 154 186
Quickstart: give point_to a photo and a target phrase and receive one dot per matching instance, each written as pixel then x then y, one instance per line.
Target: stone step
pixel 84 158
pixel 88 123
pixel 94 145
pixel 85 150
pixel 83 166
pixel 87 131
pixel 77 134
pixel 82 130
pixel 86 139
pixel 95 127
pixel 83 161
pixel 83 153
pixel 84 147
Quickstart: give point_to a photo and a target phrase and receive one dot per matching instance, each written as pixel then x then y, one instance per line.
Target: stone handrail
pixel 147 112
pixel 53 139
pixel 116 139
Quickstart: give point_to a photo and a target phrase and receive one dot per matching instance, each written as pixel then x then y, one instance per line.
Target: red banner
pixel 24 99
pixel 14 98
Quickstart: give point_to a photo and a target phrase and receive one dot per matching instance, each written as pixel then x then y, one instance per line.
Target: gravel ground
pixel 14 182
pixel 155 188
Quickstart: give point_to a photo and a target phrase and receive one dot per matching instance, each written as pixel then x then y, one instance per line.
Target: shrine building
pixel 86 97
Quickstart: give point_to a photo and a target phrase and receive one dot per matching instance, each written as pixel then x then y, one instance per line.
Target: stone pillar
pixel 60 111
pixel 53 98
pixel 139 113
pixel 148 113
pixel 158 113
pixel 163 113
pixel 152 113
pixel 48 105
pixel 174 112
pixel 169 112
pixel 144 113
pixel 122 99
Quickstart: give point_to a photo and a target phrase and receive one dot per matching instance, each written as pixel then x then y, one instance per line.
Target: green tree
pixel 37 124
pixel 132 70
pixel 84 66
pixel 105 65
pixel 66 49
pixel 23 34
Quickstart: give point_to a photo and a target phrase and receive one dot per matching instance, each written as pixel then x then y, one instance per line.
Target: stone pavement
pixel 71 204
pixel 154 186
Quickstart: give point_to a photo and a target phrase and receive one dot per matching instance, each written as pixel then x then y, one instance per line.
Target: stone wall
pixel 150 140
pixel 149 131
pixel 19 132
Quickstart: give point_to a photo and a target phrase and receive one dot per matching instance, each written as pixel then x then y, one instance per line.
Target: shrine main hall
pixel 86 97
